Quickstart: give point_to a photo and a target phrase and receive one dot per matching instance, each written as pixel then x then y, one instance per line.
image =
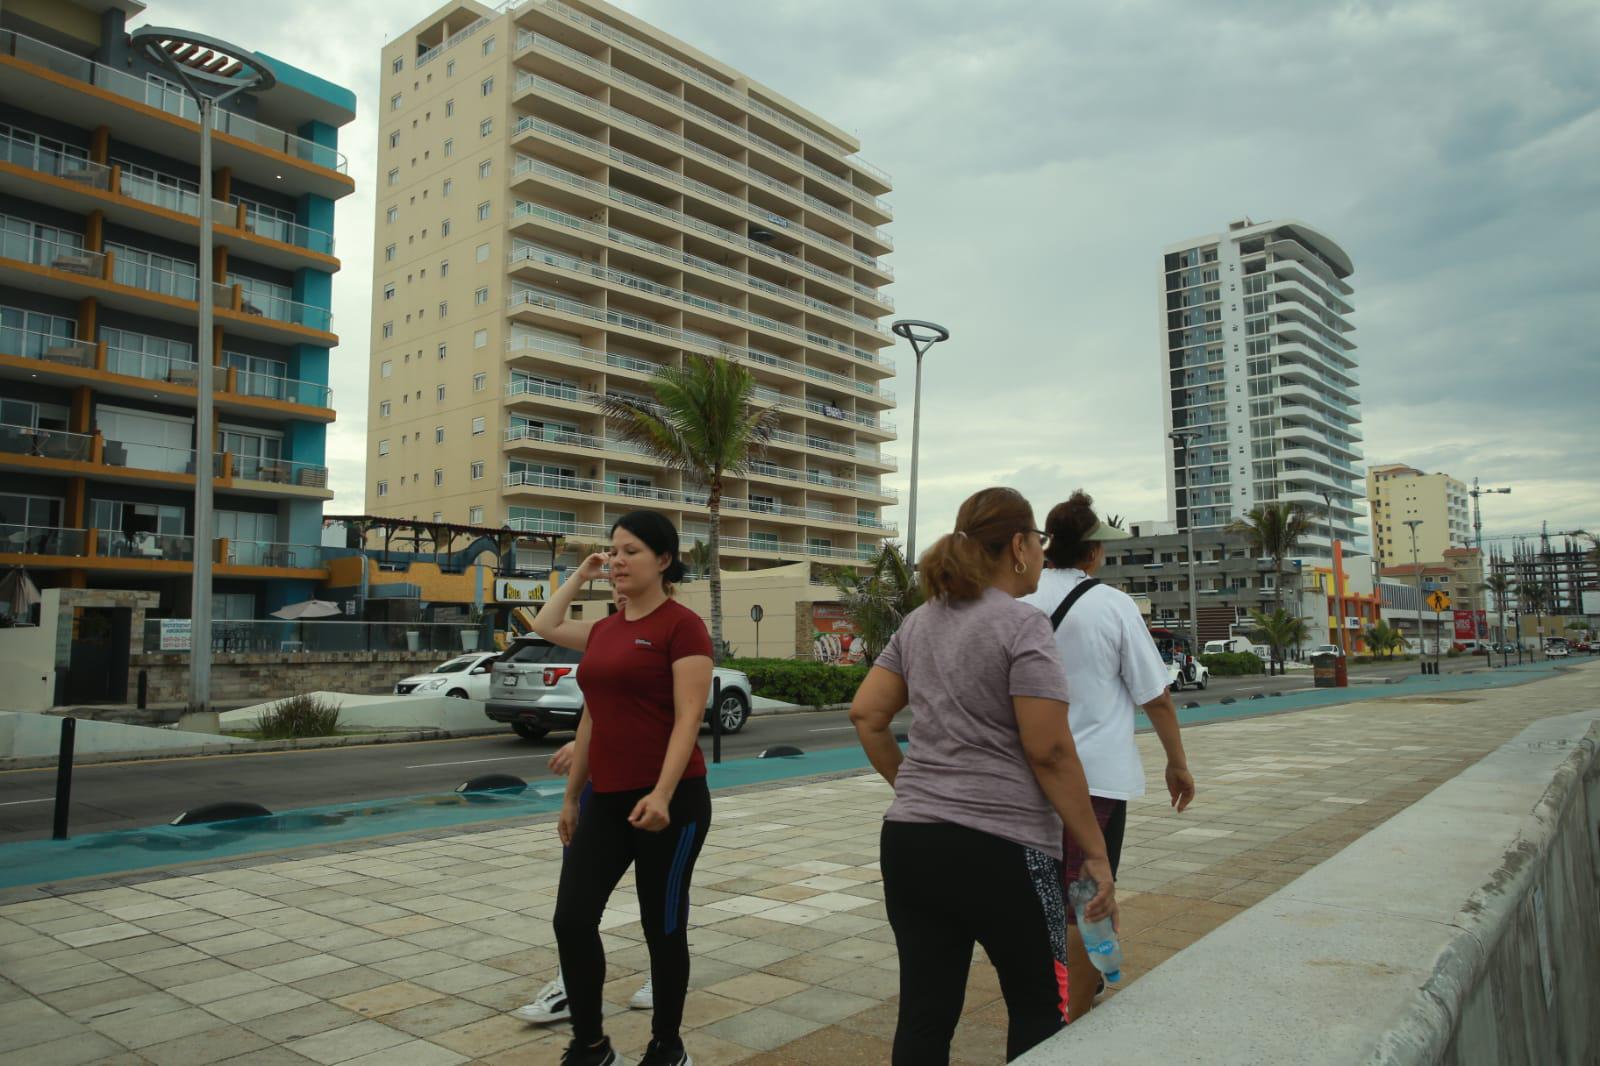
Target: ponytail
pixel 958 566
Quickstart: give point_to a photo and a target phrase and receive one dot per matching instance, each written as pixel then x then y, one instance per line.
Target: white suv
pixel 535 690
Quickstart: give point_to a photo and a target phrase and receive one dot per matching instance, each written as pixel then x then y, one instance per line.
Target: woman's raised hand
pixel 594 566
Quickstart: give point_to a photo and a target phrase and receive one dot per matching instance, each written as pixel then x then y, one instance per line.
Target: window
pixel 398 65
pixel 488 45
pixel 386 368
pixel 391 215
pixel 394 102
pixel 383 488
pixel 449 108
pixel 439 393
pixel 383 447
pixel 394 139
pixel 388 291
pixel 485 168
pixel 444 268
pixel 477 470
pixel 480 296
pixel 483 211
pixel 438 434
pixel 388 254
pixel 478 426
pixel 444 228
pixel 480 381
pixel 385 409
pixel 443 350
pixel 449 67
pixel 482 253
pixel 388 331
pixel 394 176
pixel 487 86
pixel 448 185
pixel 444 308
pixel 438 477
pixel 475 515
pixel 480 338
pixel 486 127
pixel 449 146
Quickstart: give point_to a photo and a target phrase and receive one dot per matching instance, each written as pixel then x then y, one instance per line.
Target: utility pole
pixel 1412 524
pixel 1183 438
pixel 1477 536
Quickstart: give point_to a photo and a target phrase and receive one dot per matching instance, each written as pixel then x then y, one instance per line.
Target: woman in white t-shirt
pixel 1113 670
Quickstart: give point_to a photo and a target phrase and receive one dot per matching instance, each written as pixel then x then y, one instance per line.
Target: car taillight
pixel 552 674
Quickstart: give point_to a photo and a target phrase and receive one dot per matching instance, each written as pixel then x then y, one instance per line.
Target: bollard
pixel 716 719
pixel 69 732
pixel 144 689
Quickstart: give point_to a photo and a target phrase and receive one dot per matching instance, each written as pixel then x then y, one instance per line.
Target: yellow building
pixel 1397 493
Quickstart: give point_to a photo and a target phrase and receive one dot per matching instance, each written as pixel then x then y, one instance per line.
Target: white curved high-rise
pixel 1258 361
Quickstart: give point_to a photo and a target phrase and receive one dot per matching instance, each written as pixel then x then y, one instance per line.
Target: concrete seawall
pixel 1465 930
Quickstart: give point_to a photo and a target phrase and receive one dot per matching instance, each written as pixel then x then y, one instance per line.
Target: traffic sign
pixel 756 613
pixel 1438 600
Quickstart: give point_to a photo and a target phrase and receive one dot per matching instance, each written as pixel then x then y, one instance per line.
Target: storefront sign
pixel 176 634
pixel 1469 624
pixel 834 637
pixel 520 590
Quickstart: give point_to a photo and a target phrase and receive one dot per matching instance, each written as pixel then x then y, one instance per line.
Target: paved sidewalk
pixel 410 949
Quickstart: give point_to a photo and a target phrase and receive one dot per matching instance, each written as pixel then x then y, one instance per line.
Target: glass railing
pixel 40 540
pixel 117 544
pixel 270 553
pixel 285 232
pixel 570 393
pixel 45 347
pixel 142 456
pixel 45 443
pixel 158 95
pixel 449 42
pixel 166 192
pixel 268 635
pixel 162 280
pixel 271 387
pixel 44 159
pixel 131 363
pixel 57 255
pixel 283 309
pixel 274 471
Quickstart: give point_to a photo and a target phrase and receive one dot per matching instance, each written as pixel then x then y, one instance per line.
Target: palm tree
pixel 1501 586
pixel 1533 596
pixel 879 600
pixel 1279 629
pixel 698 558
pixel 1384 639
pixel 1274 530
pixel 702 423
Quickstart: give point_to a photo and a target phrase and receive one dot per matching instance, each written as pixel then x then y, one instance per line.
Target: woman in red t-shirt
pixel 645 676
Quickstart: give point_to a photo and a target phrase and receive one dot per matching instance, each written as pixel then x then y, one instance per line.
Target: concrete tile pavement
pixel 410 949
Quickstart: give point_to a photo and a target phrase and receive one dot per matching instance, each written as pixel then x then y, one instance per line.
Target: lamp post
pixel 211 71
pixel 1183 438
pixel 1335 580
pixel 1477 536
pixel 1412 524
pixel 922 335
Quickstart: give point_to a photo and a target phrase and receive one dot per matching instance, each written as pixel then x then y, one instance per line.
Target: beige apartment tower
pixel 568 200
pixel 1397 493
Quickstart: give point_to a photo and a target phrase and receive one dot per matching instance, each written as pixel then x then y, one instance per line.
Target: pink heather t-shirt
pixel 965 765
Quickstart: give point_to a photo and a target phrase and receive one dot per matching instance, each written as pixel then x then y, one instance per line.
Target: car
pixel 1193 674
pixel 1556 649
pixel 1326 649
pixel 535 690
pixel 465 677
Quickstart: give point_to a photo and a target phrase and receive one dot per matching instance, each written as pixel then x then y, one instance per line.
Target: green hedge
pixel 1233 663
pixel 800 681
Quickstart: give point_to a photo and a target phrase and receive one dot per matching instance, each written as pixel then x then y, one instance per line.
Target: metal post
pixel 1413 523
pixel 69 732
pixel 920 343
pixel 716 719
pixel 1182 438
pixel 204 433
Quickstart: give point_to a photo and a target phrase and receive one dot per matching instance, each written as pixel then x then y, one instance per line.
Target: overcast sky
pixel 1042 155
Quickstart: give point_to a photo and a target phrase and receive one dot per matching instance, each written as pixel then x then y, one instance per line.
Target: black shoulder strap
pixel 1072 598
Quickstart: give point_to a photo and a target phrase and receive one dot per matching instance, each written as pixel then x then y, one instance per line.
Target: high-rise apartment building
pixel 568 201
pixel 1397 493
pixel 1257 360
pixel 99 283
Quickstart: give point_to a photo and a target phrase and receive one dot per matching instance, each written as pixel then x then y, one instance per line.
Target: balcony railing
pixel 154 94
pixel 45 443
pixel 270 553
pixel 171 193
pixel 46 347
pixel 40 540
pixel 142 456
pixel 284 231
pixel 43 159
pixel 57 255
pixel 137 364
pixel 289 390
pixel 164 281
pixel 274 471
pixel 116 544
pixel 449 42
pixel 263 635
pixel 282 309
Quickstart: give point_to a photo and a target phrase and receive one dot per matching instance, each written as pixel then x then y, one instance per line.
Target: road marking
pixel 470 762
pixel 15 803
pixel 836 729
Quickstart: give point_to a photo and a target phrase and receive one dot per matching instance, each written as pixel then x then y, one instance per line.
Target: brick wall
pixel 259 676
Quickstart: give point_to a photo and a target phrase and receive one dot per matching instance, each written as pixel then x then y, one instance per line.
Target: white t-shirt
pixel 1113 669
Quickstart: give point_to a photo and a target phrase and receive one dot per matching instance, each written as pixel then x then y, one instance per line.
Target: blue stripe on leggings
pixel 680 860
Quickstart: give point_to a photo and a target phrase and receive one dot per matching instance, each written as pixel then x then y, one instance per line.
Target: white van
pixel 1222 647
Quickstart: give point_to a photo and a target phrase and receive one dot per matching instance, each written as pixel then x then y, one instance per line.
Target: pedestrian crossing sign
pixel 1438 600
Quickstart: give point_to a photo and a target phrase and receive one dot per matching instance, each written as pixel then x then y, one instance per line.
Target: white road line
pixel 836 729
pixel 470 762
pixel 15 803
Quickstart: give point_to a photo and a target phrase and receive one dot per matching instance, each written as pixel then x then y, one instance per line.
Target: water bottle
pixel 1099 939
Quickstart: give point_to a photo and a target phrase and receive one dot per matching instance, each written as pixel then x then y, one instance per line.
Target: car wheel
pixel 529 731
pixel 457 693
pixel 1205 679
pixel 735 711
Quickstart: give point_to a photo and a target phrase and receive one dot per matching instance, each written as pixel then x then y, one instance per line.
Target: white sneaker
pixel 549 1006
pixel 645 998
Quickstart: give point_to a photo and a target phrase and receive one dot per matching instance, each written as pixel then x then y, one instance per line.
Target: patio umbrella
pixel 19 593
pixel 308 609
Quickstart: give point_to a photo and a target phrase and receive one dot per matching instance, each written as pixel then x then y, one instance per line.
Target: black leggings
pixel 601 851
pixel 947 887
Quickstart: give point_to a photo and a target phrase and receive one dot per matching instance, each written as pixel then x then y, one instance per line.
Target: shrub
pixel 801 681
pixel 304 715
pixel 1233 663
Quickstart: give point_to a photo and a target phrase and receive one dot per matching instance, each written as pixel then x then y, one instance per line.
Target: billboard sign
pixel 833 636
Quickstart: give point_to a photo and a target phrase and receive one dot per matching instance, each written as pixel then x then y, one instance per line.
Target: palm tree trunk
pixel 714 505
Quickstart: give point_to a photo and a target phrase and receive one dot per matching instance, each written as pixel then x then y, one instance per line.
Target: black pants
pixel 601 851
pixel 947 887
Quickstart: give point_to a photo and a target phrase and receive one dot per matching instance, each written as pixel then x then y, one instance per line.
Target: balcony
pixel 111 549
pixel 40 540
pixel 60 83
pixel 272 555
pixel 248 470
pixel 519 479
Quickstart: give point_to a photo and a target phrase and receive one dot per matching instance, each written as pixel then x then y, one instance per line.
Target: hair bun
pixel 674 571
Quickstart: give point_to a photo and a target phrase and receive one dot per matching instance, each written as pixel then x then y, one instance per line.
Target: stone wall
pixel 256 676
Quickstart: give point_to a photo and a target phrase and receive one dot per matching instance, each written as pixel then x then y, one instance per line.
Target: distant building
pixel 1231 583
pixel 1397 493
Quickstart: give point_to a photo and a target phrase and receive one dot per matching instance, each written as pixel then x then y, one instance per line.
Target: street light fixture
pixel 1183 438
pixel 211 71
pixel 1477 535
pixel 1412 524
pixel 922 335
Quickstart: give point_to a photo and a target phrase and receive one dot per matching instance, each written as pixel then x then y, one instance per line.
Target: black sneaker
pixel 578 1054
pixel 661 1053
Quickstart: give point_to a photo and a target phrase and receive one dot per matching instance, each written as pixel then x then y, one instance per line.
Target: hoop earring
pixel 1020 568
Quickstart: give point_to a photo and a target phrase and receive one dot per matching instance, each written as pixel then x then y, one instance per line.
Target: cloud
pixel 1043 154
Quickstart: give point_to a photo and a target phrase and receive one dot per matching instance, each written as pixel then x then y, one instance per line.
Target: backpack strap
pixel 1072 598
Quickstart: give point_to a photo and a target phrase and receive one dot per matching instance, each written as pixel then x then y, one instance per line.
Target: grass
pixel 304 715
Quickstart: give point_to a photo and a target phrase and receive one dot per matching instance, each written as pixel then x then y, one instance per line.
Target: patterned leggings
pixel 946 888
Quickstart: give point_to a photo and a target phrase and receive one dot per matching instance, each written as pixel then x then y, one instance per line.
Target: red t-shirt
pixel 626 678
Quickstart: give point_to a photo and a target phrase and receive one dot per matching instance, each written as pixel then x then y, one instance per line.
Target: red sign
pixel 834 638
pixel 1469 624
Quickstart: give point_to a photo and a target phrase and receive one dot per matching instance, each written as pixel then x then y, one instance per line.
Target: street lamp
pixel 1412 524
pixel 1183 438
pixel 1477 535
pixel 922 335
pixel 1334 579
pixel 211 71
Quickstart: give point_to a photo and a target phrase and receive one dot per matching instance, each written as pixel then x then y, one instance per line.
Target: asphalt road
pixel 150 792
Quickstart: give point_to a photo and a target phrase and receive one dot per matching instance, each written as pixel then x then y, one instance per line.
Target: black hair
pixel 1068 523
pixel 659 535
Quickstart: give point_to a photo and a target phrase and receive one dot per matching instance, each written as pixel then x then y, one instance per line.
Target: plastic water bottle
pixel 1099 939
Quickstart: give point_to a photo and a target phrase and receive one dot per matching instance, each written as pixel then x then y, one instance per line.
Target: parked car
pixel 465 677
pixel 535 690
pixel 1223 647
pixel 1193 674
pixel 1326 649
pixel 1556 648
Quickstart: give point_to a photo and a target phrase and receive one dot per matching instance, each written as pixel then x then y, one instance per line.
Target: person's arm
pixel 552 623
pixel 691 687
pixel 881 696
pixel 577 777
pixel 1053 758
pixel 1163 715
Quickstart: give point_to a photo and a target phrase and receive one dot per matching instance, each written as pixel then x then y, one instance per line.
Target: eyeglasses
pixel 1044 538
